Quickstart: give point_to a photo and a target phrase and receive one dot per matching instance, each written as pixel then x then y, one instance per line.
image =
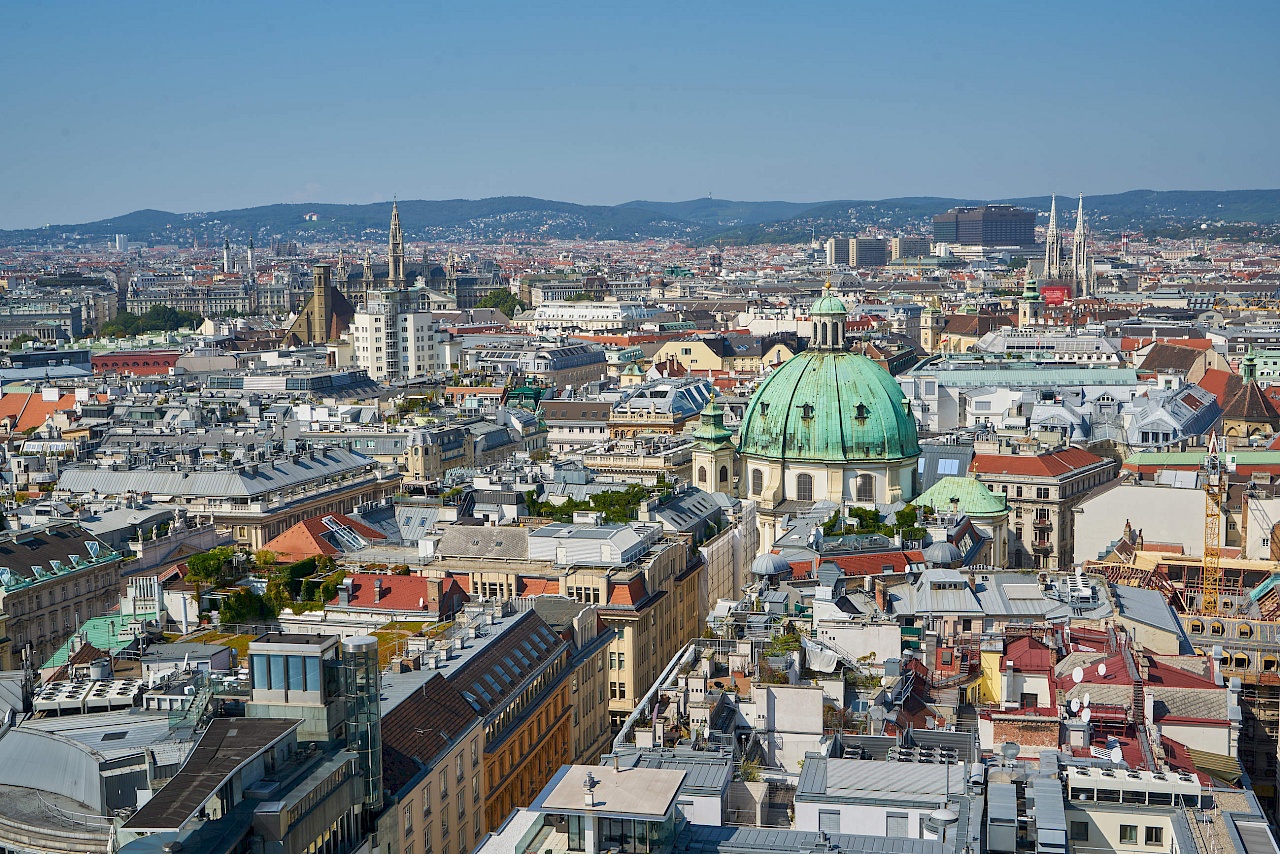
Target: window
pixel 1042 492
pixel 1018 492
pixel 866 490
pixel 804 487
pixel 829 821
pixel 475 752
pixel 724 474
pixel 1079 831
pixel 426 800
pixel 896 824
pixel 757 481
pixel 1128 834
pixel 458 763
pixel 408 819
pixel 1155 836
pixel 702 474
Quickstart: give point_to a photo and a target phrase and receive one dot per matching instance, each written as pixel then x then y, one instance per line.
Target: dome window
pixel 804 487
pixel 861 412
pixel 764 408
pixel 806 411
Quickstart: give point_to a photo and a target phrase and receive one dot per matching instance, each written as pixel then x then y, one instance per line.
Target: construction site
pixel 1229 607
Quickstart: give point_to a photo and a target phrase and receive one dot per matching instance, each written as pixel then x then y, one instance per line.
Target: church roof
pixel 829 407
pixel 975 499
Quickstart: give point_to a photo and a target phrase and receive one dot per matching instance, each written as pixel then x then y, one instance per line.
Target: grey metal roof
pixel 749 840
pixel 706 773
pixel 1148 607
pixel 272 475
pixel 869 780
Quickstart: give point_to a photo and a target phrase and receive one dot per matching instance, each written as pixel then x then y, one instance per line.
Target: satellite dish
pixel 1102 669
pixel 1078 675
pixel 1085 701
pixel 1116 755
pixel 1075 704
pixel 1086 715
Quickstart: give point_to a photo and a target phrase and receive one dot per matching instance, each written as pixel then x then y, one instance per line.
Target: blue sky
pixel 111 107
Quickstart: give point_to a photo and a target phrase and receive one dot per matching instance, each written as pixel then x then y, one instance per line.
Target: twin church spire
pixel 1081 269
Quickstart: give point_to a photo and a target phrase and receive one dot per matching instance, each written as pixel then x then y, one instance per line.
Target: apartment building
pixel 54 578
pixel 1042 491
pixel 646 589
pixel 393 338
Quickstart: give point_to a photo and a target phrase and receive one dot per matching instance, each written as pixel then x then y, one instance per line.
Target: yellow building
pixel 741 353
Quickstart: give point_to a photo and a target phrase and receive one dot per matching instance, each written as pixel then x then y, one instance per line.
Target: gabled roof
pixel 1167 357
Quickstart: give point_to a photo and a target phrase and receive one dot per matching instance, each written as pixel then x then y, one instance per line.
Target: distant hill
pixel 519 218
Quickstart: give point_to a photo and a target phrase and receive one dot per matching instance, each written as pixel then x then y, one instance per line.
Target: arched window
pixel 804 487
pixel 702 474
pixel 823 327
pixel 724 474
pixel 866 488
pixel 757 481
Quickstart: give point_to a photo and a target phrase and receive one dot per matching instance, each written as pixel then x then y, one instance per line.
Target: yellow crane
pixel 1214 472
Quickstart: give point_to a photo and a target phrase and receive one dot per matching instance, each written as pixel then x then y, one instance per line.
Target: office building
pixel 988 225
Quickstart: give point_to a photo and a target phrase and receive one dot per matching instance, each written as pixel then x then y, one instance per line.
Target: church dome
pixel 827 305
pixel 827 406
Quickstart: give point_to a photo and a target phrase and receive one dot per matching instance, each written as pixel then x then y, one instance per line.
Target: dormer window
pixel 806 411
pixel 861 412
pixel 764 409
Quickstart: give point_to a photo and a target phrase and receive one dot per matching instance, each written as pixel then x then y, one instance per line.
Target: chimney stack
pixel 377 589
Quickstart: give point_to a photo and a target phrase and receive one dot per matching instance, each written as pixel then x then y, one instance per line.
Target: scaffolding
pixel 1215 493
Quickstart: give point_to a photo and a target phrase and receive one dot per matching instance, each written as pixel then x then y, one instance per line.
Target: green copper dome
pixel 827 305
pixel 829 407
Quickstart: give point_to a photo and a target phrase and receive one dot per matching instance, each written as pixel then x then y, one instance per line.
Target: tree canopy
pixel 504 301
pixel 158 318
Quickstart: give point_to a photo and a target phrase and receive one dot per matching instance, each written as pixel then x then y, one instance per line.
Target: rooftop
pixel 634 792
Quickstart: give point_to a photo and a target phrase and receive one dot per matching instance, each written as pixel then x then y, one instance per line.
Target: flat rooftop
pixel 227 745
pixel 635 792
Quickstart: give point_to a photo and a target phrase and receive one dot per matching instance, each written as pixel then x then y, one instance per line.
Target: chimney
pixel 435 590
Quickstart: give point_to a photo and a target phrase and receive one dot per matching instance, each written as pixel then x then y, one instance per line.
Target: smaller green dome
pixel 828 306
pixel 711 432
pixel 973 497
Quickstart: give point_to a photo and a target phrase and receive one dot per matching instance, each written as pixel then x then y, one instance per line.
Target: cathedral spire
pixel 1053 243
pixel 1081 268
pixel 395 250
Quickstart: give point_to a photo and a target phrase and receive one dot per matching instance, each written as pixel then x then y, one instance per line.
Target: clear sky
pixel 108 107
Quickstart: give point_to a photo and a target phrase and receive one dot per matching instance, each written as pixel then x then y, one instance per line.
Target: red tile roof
pixel 537 586
pixel 631 593
pixel 306 539
pixel 1041 465
pixel 1029 655
pixel 404 592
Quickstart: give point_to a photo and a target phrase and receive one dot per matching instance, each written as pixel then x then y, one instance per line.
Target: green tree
pixel 210 567
pixel 264 558
pixel 1017 262
pixel 16 343
pixel 504 301
pixel 244 607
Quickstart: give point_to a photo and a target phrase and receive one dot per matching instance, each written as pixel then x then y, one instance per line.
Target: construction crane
pixel 1214 472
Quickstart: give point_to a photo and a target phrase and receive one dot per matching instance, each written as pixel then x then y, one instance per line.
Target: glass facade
pixel 286 673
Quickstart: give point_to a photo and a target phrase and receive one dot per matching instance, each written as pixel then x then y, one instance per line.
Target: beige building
pixel 638 576
pixel 1042 490
pixel 740 353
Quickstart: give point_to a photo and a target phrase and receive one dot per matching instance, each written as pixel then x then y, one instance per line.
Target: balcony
pixel 1042 546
